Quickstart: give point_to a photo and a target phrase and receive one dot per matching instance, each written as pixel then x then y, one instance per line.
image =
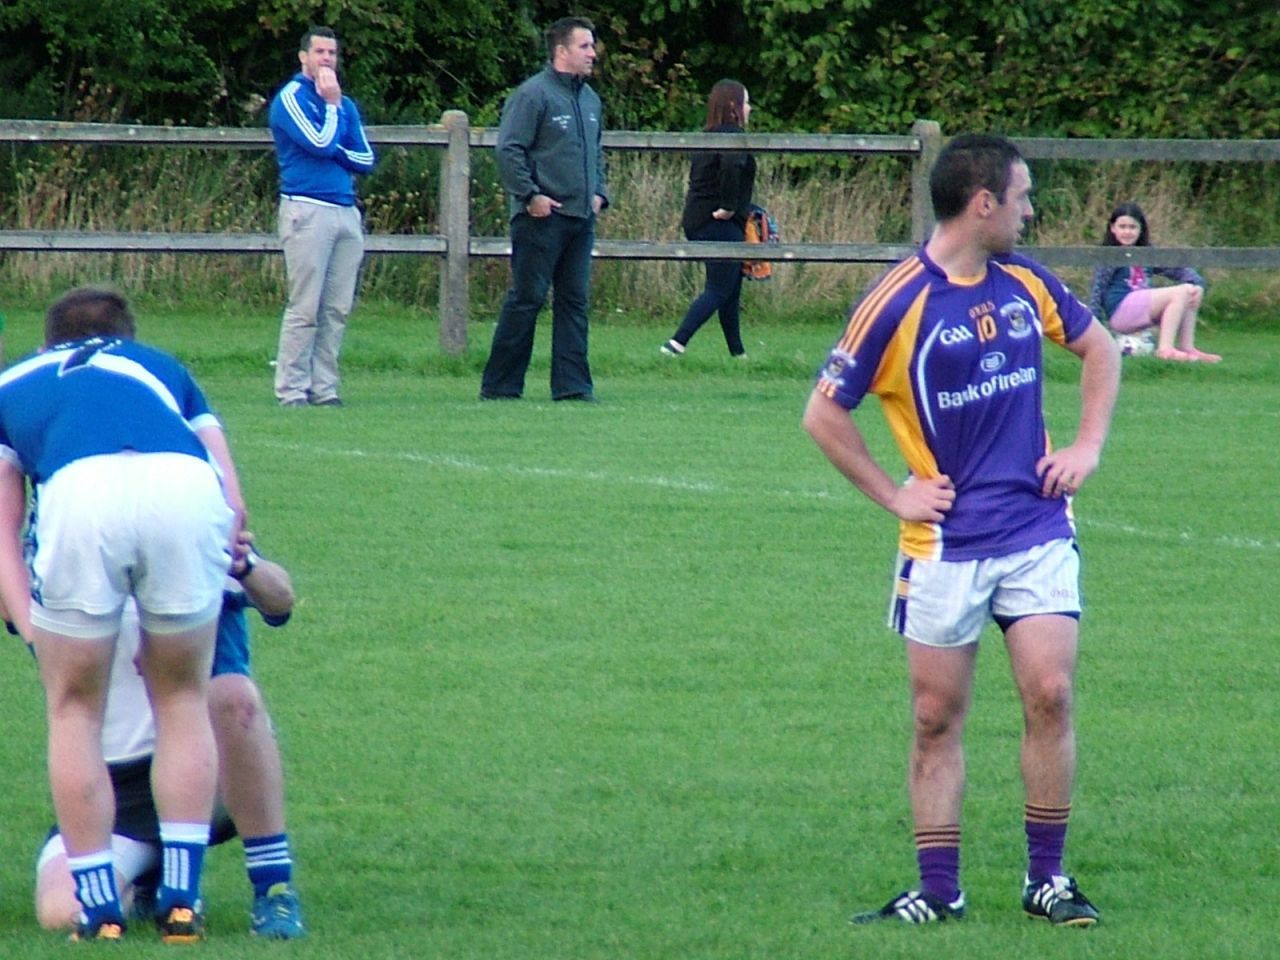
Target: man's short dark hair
pixel 88 312
pixel 314 31
pixel 967 164
pixel 561 32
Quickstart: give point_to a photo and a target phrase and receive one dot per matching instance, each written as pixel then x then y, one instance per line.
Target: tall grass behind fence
pixel 1186 205
pixel 138 189
pixel 858 200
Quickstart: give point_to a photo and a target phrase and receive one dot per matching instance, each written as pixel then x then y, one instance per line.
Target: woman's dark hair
pixel 1127 209
pixel 725 104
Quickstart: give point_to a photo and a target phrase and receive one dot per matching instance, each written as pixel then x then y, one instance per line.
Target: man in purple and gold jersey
pixel 950 340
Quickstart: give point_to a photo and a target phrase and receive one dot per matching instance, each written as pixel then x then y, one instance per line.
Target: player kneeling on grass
pixel 250 779
pixel 134 496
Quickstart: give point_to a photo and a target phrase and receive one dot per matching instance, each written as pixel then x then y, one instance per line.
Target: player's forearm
pixel 270 588
pixel 835 434
pixel 1099 387
pixel 15 582
pixel 216 443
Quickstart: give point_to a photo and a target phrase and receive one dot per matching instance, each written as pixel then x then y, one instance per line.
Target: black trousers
pixel 547 253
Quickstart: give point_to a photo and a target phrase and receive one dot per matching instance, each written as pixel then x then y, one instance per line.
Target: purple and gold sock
pixel 938 856
pixel 1046 838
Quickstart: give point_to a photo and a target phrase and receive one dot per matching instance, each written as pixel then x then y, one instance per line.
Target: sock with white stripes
pixel 182 859
pixel 268 861
pixel 95 878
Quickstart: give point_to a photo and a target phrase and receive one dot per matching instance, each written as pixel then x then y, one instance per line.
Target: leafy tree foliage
pixel 1133 68
pixel 218 61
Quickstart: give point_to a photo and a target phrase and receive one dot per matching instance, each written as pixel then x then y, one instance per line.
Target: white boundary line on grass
pixel 705 486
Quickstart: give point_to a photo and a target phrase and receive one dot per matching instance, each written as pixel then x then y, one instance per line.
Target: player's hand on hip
pixel 1064 471
pixel 924 499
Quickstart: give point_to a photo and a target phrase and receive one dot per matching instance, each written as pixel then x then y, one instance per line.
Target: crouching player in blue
pixel 251 785
pixel 134 496
pixel 950 341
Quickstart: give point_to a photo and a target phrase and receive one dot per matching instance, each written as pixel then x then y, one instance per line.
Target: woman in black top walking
pixel 716 208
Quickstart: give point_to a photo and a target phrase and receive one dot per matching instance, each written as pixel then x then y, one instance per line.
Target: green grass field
pixel 611 681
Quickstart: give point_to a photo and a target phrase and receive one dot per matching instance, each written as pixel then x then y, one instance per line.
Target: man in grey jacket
pixel 551 162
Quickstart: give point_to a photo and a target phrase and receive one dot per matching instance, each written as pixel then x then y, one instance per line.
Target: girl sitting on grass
pixel 1124 295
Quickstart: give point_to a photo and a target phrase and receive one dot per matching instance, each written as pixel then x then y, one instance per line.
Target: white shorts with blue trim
pixel 946 603
pixel 152 525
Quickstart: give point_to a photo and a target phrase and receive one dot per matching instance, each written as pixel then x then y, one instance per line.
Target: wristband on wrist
pixel 250 561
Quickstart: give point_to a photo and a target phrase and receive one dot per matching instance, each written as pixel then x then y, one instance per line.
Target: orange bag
pixel 760 229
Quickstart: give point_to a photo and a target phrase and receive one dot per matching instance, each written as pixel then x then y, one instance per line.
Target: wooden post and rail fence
pixel 456 246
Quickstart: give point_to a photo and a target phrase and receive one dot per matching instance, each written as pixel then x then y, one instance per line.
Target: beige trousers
pixel 323 247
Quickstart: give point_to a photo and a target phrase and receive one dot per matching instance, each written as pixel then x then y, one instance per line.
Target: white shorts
pixel 946 603
pixel 152 525
pixel 132 857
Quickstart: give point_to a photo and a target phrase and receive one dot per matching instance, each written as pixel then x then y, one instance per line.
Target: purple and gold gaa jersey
pixel 957 365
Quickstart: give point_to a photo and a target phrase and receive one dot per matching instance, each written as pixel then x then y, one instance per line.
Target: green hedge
pixel 1132 68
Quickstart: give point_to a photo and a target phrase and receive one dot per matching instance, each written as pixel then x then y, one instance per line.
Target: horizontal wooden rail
pixel 1201 151
pixel 103 241
pixel 434 135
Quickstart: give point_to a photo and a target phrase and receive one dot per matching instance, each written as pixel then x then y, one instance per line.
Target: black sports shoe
pixel 915 907
pixel 1058 900
pixel 108 931
pixel 182 924
pixel 143 908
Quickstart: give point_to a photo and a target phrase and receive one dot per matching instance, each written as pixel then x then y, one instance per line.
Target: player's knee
pixel 936 718
pixel 235 703
pixel 1049 701
pixel 56 911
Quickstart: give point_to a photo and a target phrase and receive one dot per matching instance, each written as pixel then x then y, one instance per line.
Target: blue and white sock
pixel 94 876
pixel 268 861
pixel 182 859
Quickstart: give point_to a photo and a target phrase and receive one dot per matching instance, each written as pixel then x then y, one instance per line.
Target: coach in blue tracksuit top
pixel 551 162
pixel 320 146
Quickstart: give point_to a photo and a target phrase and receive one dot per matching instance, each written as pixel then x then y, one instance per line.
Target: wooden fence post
pixel 930 135
pixel 455 225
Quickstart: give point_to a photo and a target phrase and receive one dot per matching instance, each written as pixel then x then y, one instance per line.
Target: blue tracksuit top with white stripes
pixel 98 396
pixel 319 147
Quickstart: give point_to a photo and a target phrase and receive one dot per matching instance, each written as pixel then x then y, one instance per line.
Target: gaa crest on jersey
pixel 837 364
pixel 1017 316
pixel 954 336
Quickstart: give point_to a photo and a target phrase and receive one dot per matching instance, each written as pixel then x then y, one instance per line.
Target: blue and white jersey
pixel 319 146
pixel 96 396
